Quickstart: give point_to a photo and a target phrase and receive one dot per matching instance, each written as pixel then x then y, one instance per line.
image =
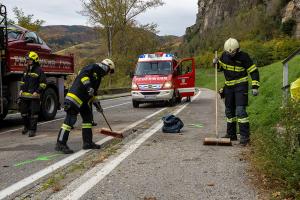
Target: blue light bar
pixel 142 56
pixel 169 55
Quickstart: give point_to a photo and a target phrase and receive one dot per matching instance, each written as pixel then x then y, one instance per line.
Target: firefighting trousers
pixel 29 109
pixel 71 118
pixel 236 101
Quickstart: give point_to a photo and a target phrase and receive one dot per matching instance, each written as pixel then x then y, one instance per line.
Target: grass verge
pixel 275 152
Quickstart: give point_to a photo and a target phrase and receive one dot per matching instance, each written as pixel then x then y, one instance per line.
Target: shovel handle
pixel 106 120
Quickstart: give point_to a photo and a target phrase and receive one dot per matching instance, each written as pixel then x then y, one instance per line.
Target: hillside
pixel 96 50
pixel 60 37
pixel 218 20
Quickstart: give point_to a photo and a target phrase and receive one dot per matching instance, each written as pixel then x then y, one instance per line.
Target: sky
pixel 172 18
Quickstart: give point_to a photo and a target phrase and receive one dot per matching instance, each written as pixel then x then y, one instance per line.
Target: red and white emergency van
pixel 160 77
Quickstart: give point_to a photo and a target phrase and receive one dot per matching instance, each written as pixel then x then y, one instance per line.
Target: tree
pixel 115 16
pixel 26 21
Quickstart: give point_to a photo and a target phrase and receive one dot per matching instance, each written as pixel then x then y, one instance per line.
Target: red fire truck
pixel 15 43
pixel 160 77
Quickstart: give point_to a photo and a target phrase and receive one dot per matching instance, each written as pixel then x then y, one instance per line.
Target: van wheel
pixel 172 101
pixel 135 104
pixel 49 104
pixel 178 99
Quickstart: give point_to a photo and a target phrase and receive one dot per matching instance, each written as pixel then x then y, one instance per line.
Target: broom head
pixel 106 131
pixel 217 141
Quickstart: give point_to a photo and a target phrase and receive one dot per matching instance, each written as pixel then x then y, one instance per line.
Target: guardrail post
pixel 285 82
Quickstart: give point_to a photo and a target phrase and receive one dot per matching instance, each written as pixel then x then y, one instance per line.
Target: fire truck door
pixel 185 77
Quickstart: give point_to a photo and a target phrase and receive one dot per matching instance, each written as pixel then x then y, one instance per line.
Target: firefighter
pixel 32 86
pixel 237 65
pixel 78 100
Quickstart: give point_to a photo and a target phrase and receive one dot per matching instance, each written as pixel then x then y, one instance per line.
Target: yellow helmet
pixel 33 56
pixel 231 46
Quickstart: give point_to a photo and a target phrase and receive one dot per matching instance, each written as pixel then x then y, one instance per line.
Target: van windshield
pixel 153 68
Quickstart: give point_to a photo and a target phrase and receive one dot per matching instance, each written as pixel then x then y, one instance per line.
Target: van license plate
pixel 150 96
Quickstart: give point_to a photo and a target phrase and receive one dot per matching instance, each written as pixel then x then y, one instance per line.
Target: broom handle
pixel 106 121
pixel 216 87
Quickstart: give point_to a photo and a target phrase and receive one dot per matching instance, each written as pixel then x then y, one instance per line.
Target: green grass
pixel 274 152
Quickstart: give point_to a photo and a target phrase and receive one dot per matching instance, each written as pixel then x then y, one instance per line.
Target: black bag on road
pixel 172 124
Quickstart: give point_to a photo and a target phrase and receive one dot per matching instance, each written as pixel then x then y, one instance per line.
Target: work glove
pixel 91 91
pixel 98 106
pixel 221 93
pixel 254 92
pixel 215 61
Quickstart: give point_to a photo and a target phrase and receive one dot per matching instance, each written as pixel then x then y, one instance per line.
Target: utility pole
pixel 109 49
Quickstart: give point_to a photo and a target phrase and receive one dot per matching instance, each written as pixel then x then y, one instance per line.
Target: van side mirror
pixel 29 40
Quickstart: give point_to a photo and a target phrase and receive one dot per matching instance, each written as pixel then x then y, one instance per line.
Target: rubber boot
pixel 26 124
pixel 31 133
pixel 87 137
pixel 63 148
pixel 33 126
pixel 244 141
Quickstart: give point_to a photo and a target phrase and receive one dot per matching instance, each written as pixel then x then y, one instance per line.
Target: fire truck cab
pixel 15 43
pixel 160 77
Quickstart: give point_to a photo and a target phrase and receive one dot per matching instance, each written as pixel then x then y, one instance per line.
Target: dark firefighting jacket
pixel 34 80
pixel 237 68
pixel 89 77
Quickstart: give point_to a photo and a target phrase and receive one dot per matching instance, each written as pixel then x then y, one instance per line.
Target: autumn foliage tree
pixel 27 21
pixel 117 17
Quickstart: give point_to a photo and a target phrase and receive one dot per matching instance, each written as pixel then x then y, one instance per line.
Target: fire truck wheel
pixel 49 104
pixel 135 104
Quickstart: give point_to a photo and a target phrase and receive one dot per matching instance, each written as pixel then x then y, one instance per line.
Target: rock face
pixel 292 11
pixel 212 13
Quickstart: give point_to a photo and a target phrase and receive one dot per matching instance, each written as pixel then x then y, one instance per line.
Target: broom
pixel 109 131
pixel 217 140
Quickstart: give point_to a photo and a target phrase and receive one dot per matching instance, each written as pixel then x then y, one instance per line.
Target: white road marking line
pixel 34 177
pixel 102 170
pixel 41 123
pixel 61 110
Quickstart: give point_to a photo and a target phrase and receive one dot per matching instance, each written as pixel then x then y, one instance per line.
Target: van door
pixel 185 77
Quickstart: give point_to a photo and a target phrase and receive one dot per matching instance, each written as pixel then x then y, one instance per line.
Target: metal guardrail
pixel 285 75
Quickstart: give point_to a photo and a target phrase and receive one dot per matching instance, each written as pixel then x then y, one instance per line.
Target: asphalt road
pixel 152 165
pixel 160 166
pixel 21 156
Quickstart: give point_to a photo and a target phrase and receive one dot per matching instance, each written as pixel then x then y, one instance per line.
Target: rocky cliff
pixel 212 13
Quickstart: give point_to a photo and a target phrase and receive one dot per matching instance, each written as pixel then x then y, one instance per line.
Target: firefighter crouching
pixel 32 86
pixel 79 99
pixel 237 65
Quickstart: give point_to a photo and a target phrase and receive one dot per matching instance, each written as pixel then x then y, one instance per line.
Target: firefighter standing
pixel 78 100
pixel 32 85
pixel 237 65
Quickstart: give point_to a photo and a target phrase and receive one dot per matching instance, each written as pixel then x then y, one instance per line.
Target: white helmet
pixel 231 46
pixel 109 63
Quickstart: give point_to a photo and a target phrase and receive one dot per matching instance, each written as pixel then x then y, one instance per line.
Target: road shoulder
pixel 178 166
